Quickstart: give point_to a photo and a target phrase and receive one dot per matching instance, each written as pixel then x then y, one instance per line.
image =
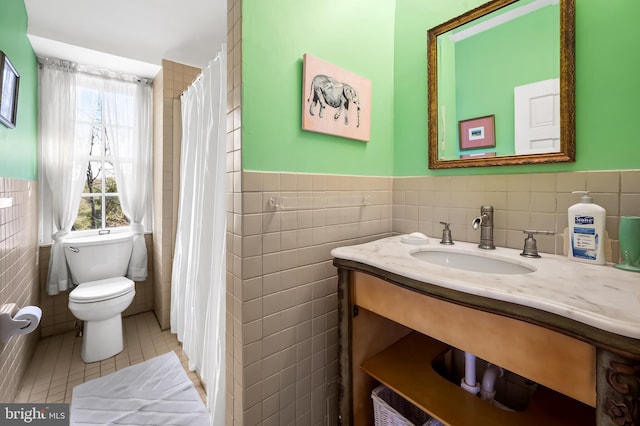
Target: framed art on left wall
pixel 347 96
pixel 8 92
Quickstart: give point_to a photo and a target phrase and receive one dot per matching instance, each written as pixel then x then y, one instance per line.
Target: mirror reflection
pixel 500 90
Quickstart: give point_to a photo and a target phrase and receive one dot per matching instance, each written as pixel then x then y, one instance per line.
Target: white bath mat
pixel 154 392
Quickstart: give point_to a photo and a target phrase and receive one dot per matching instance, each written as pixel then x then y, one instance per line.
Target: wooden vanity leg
pixel 618 389
pixel 344 342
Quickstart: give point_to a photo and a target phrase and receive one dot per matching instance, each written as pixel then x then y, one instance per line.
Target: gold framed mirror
pixel 513 61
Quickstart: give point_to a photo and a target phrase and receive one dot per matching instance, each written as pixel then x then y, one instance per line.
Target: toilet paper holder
pixel 18 321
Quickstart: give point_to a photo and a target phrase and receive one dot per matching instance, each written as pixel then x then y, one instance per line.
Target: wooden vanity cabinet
pixel 391 329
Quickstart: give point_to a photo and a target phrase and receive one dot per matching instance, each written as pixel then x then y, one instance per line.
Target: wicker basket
pixel 390 409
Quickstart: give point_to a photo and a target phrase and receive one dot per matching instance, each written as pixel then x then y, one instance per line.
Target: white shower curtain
pixel 198 284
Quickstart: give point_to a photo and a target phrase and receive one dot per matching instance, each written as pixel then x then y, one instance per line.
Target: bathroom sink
pixel 472 262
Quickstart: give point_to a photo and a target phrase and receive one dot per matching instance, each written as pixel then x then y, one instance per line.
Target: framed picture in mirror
pixel 477 132
pixel 8 92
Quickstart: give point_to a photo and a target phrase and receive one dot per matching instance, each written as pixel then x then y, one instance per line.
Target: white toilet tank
pixel 97 257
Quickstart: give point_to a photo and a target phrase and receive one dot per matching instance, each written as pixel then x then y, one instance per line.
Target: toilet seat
pixel 98 291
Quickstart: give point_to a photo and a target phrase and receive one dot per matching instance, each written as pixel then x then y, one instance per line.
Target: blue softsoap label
pixel 584 240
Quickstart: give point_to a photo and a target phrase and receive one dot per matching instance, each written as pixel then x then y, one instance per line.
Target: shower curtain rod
pixel 199 77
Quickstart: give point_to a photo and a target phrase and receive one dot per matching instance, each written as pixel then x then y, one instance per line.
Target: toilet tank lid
pixel 101 289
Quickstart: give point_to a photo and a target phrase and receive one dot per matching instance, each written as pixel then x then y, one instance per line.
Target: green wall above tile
pixel 18 146
pixel 356 35
pixel 385 41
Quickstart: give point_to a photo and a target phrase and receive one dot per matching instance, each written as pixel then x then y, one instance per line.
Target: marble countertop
pixel 597 295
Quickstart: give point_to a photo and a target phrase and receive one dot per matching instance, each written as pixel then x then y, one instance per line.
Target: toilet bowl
pixel 100 304
pixel 98 265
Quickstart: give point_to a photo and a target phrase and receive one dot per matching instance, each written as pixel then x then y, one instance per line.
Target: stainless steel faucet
pixel 485 222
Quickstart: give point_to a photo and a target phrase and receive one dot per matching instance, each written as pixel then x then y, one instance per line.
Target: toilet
pixel 98 265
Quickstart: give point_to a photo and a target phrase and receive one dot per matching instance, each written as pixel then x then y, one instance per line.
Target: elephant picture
pixel 327 90
pixel 326 85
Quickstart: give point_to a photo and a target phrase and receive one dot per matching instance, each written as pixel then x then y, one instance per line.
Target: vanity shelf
pixel 406 368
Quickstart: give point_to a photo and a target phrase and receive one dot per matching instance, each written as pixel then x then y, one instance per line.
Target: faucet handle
pixel 446 235
pixel 530 244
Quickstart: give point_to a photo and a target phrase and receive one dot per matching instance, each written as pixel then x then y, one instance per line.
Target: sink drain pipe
pixel 492 372
pixel 469 382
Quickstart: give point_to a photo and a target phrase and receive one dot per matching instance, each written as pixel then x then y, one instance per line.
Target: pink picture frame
pixel 335 101
pixel 477 132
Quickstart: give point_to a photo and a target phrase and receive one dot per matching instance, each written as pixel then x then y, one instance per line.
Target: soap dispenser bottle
pixel 586 230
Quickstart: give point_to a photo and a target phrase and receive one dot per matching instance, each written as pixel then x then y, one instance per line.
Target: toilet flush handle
pixel 73 249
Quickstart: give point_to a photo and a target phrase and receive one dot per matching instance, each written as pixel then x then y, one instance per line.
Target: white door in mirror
pixel 537 117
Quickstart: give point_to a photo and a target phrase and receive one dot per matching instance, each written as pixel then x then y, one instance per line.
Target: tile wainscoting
pixel 282 306
pixel 18 275
pixel 521 201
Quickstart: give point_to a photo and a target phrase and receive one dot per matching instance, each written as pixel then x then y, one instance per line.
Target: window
pixel 94 150
pixel 99 203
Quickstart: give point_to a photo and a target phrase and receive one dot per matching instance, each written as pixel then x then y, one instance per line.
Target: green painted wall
pixel 607 89
pixel 356 35
pixel 19 146
pixel 385 41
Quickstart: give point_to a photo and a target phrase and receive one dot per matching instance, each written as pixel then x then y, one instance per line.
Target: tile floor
pixel 56 366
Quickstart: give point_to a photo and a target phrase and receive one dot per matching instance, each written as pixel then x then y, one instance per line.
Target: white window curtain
pixel 198 287
pixel 127 115
pixel 65 140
